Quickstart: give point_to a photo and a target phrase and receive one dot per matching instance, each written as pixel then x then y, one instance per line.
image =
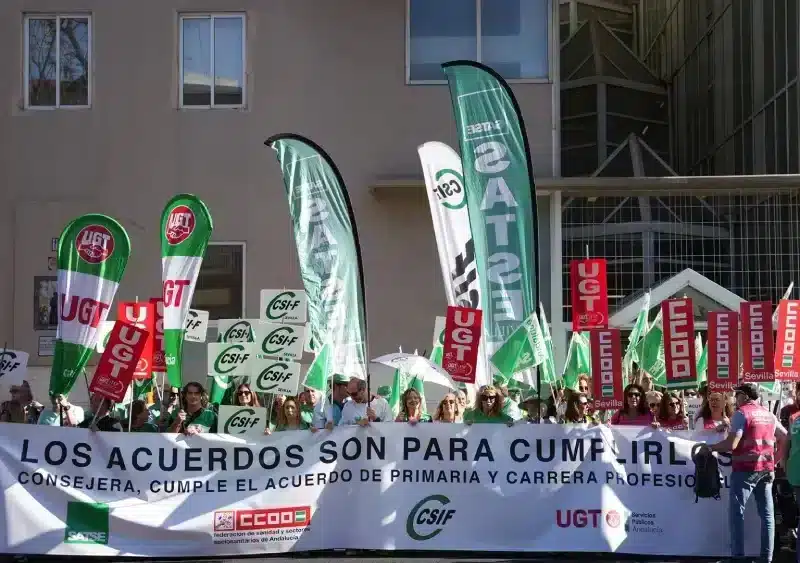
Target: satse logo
pixel 280 305
pixel 279 339
pixel 94 244
pixel 273 375
pixel 180 224
pixel 475 129
pixel 591 518
pixel 428 518
pixel 230 358
pixel 87 523
pixel 241 421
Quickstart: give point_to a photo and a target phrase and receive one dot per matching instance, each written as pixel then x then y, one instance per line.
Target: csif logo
pixel 280 305
pixel 449 189
pixel 241 331
pixel 428 518
pixel 230 358
pixel 240 421
pixel 94 244
pixel 193 320
pixel 279 339
pixel 273 375
pixel 180 224
pixel 8 362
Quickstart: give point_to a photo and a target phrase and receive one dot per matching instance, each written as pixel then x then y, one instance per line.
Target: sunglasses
pixel 245 393
pixel 634 394
pixel 691 394
pixel 488 398
pixel 675 403
pixel 583 403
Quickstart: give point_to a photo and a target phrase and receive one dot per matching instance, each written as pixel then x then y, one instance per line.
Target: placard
pixel 196 326
pixel 242 421
pixel 606 352
pixel 230 358
pixel 787 345
pixel 237 330
pixel 588 280
pixel 679 353
pixel 462 334
pixel 275 340
pixel 142 315
pixel 758 354
pixel 118 364
pixel 284 306
pixel 13 366
pixel 723 350
pixel 275 376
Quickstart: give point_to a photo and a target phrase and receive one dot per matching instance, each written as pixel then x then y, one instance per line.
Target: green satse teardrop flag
pixel 92 254
pixel 500 191
pixel 328 250
pixel 186 228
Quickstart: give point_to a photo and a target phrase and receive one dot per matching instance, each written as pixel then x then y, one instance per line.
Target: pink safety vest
pixel 756 449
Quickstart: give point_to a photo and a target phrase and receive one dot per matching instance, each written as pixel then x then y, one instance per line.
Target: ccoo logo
pixel 273 375
pixel 180 224
pixel 428 518
pixel 94 244
pixel 449 189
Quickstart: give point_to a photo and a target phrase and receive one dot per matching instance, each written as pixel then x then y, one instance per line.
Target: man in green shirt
pixel 195 417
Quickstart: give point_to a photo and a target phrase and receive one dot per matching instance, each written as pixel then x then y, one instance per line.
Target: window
pixel 511 36
pixel 220 284
pixel 57 61
pixel 212 60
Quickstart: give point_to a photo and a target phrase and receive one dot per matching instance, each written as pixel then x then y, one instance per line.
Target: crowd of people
pixel 761 443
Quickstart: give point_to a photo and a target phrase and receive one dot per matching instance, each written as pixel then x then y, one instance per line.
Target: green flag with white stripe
pixel 186 227
pixel 93 251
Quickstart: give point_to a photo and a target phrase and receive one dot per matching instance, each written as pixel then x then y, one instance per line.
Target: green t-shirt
pixel 477 416
pixel 307 415
pixel 424 417
pixel 146 427
pixel 793 469
pixel 303 426
pixel 205 420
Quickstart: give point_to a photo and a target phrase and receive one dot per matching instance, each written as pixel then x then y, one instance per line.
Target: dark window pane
pixel 440 31
pixel 219 284
pixel 228 61
pixel 196 62
pixel 74 61
pixel 514 37
pixel 42 62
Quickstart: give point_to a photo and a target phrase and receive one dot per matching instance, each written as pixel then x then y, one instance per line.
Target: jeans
pixel 759 484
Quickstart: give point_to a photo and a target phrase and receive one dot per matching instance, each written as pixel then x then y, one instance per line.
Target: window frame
pixel 183 16
pixel 552 6
pixel 214 323
pixel 26 70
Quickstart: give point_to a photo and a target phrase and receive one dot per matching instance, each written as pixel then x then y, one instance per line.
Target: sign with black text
pixel 242 421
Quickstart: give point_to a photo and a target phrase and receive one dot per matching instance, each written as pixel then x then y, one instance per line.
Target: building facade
pixel 113 107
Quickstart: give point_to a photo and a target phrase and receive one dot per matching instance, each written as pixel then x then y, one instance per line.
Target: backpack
pixel 706 476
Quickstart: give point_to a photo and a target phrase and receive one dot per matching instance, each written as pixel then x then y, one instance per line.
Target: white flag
pixel 444 180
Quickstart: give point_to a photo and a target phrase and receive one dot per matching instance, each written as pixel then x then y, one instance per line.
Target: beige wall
pixel 333 71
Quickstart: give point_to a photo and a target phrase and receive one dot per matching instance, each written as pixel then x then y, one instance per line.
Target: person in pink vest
pixel 756 440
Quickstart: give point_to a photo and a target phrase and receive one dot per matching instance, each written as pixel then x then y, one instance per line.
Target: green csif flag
pixel 328 250
pixel 186 228
pixel 92 254
pixel 500 193
pixel 579 360
pixel 524 349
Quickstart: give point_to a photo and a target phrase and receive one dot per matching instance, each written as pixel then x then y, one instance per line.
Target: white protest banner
pixel 196 326
pixel 275 340
pixel 284 306
pixel 242 421
pixel 231 359
pixel 626 490
pixel 275 376
pixel 237 330
pixel 103 332
pixel 13 365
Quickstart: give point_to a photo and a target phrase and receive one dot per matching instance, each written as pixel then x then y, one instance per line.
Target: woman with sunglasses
pixel 578 410
pixel 715 413
pixel 671 414
pixel 488 408
pixel 635 411
pixel 245 397
pixel 448 410
pixel 654 401
pixel 411 408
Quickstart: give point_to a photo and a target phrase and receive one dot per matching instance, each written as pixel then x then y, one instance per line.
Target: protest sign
pixel 242 421
pixel 758 359
pixel 284 306
pixel 118 365
pixel 679 351
pixel 196 326
pixel 141 315
pixel 275 340
pixel 462 335
pixel 589 284
pixel 13 366
pixel 275 376
pixel 787 347
pixel 606 350
pixel 70 492
pixel 723 350
pixel 230 359
pixel 237 330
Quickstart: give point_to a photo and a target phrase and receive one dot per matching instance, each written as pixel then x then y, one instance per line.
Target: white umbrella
pixel 417 366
